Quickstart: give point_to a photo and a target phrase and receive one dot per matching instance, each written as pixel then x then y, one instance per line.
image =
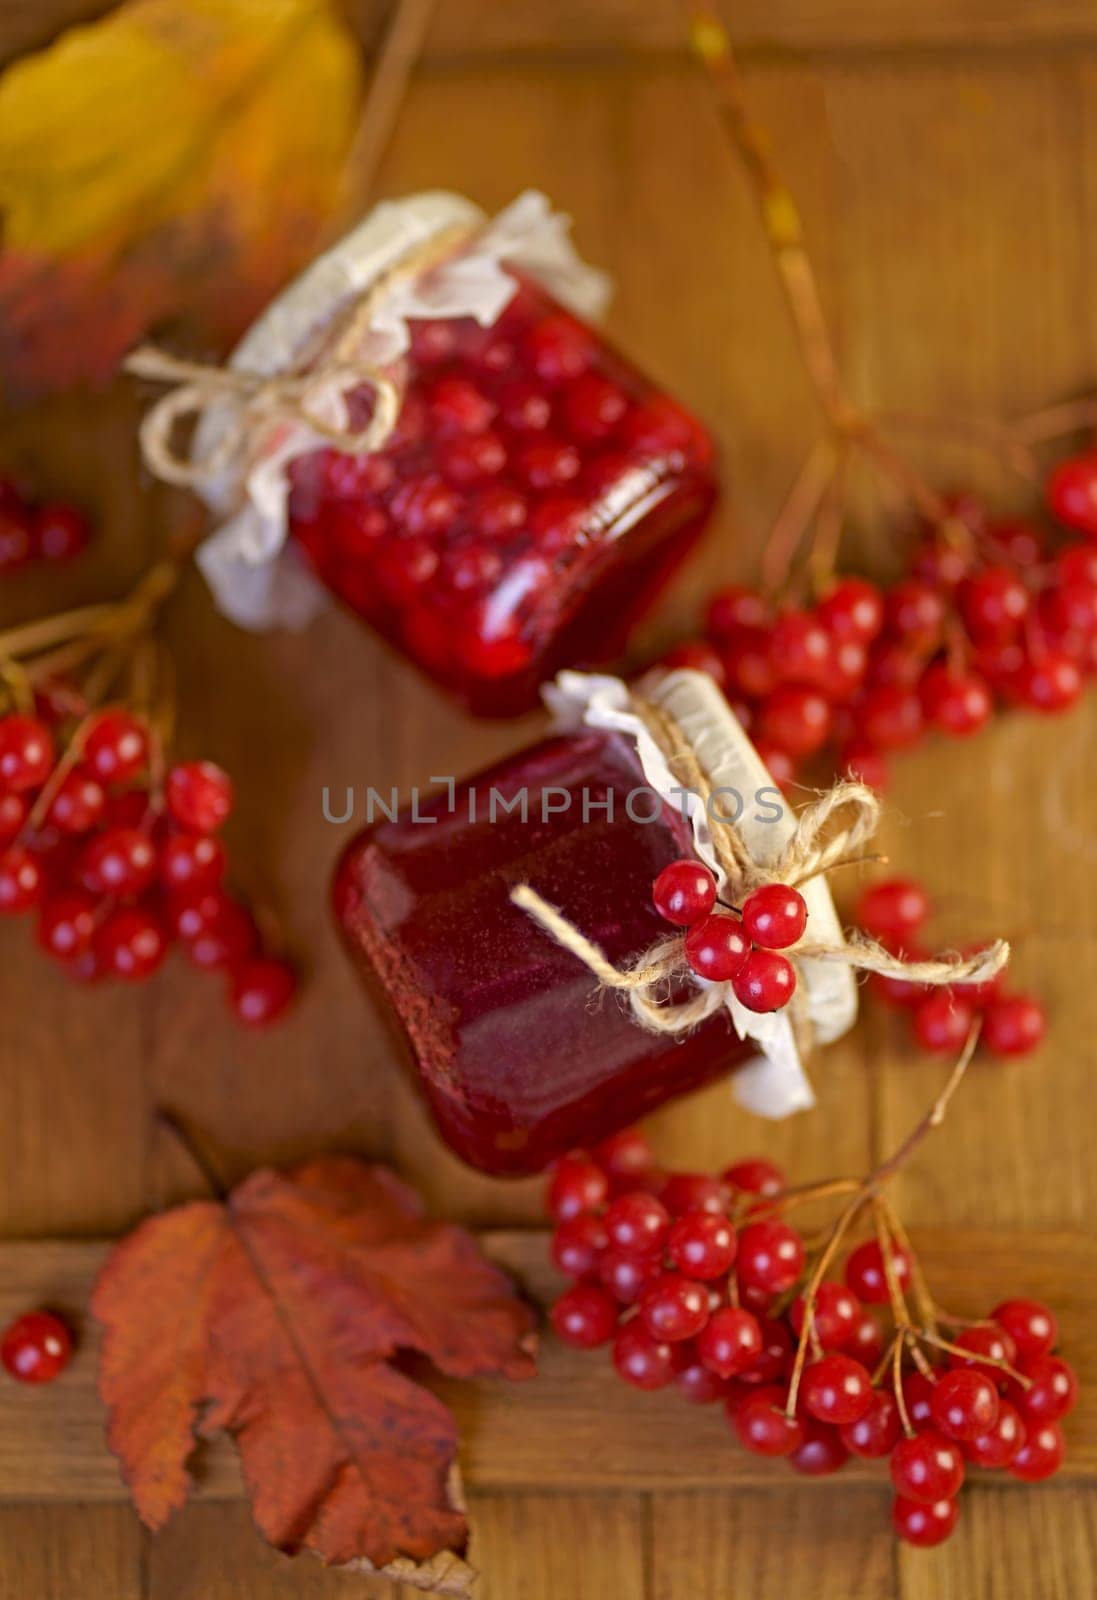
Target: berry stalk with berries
pixel 114 850
pixel 817 1351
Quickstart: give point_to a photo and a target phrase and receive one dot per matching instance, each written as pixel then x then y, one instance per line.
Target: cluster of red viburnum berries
pixel 700 1282
pixel 116 864
pixel 895 912
pixel 987 611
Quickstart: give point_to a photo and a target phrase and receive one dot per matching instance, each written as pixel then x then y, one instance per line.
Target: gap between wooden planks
pixel 574 1426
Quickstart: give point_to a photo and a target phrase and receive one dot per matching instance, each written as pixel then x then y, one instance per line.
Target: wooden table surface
pixel 946 158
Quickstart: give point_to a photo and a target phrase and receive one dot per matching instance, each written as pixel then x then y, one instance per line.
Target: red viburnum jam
pixel 532 500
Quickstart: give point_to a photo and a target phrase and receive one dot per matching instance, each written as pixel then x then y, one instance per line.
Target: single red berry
pixel 774 916
pixel 717 948
pixel 915 613
pixel 853 609
pixel 927 1468
pixel 226 938
pixel 795 718
pixel 1052 1390
pixel 1030 1325
pixel 800 648
pixel 593 406
pixel 119 862
pixel 834 1316
pixel 730 1342
pixel 763 1427
pixel 695 656
pixel 115 747
pixel 866 1342
pixel 699 1384
pixel 21 881
pixel 958 703
pixel 1013 1025
pixel 684 892
pixel 458 406
pixel 875 1433
pixel 1041 1455
pixel 637 1224
pixel 903 992
pixel 821 1453
pixel 625 1157
pixel 1051 683
pixel 577 1246
pixel 16 536
pixel 684 1192
pixel 836 1389
pixel 889 716
pixel 548 464
pixel 191 861
pixel 1000 1444
pixel 755 1176
pixel 13 814
pixel 644 1362
pixel 734 608
pixel 924 1525
pixel 1072 493
pixel 576 1185
pixel 778 1352
pixel 964 1404
pixel 559 348
pixel 26 752
pixel 863 762
pixel 584 1316
pixel 702 1245
pixel 78 804
pixel 942 1021
pixel 130 944
pixel 66 925
pixel 771 1256
pixel 626 1277
pixel 765 982
pixel 36 1347
pixel 199 796
pixel 866 1276
pixel 674 1307
pixel 1077 564
pixel 918 1398
pixel 61 532
pixel 984 1347
pixel 260 990
pixel 993 604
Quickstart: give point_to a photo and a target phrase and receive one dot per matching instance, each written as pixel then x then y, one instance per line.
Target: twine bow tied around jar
pixel 251 404
pixel 833 831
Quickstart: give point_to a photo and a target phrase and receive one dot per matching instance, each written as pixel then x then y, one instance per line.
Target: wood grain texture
pixel 946 158
pixel 574 1426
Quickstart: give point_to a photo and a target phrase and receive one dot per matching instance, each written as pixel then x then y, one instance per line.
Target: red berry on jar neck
pixel 775 916
pixel 684 892
pixel 199 796
pixel 26 753
pixel 115 747
pixel 765 982
pixel 716 948
pixel 36 1347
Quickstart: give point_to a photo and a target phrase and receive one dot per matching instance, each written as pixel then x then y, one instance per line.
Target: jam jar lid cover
pixel 774 1083
pixel 256 579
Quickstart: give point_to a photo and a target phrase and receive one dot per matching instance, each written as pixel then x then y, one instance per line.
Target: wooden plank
pixel 768 1544
pixel 52 1552
pixel 1042 1546
pixel 467 29
pixel 573 1427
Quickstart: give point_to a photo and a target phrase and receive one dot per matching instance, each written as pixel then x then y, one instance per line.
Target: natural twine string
pixel 817 845
pixel 254 402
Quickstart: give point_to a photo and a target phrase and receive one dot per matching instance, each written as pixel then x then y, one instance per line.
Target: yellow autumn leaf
pixel 173 162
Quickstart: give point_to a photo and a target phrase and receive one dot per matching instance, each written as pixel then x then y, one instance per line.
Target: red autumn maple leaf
pixel 272 1316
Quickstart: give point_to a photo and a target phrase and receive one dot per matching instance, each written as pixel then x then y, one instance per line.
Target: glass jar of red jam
pixel 517 1056
pixel 515 1050
pixel 427 424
